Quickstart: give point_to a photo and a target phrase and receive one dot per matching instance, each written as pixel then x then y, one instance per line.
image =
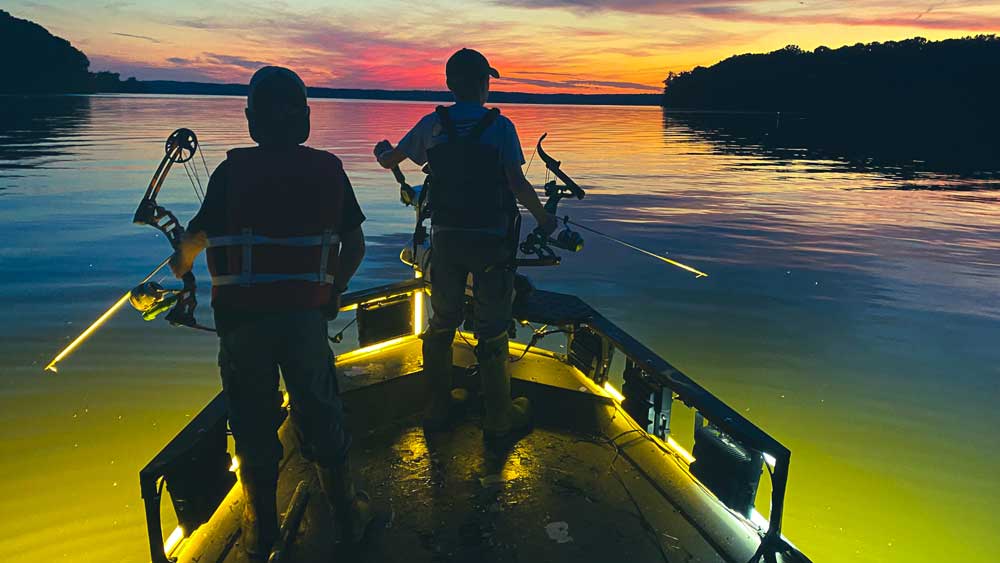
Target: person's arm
pixel 387 156
pixel 209 221
pixel 513 158
pixel 191 245
pixel 526 195
pixel 352 238
pixel 352 251
pixel 413 145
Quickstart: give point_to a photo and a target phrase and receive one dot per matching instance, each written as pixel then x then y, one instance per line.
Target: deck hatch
pixel 384 320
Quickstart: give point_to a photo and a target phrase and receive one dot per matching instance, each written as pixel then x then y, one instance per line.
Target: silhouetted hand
pixel 180 264
pixel 548 226
pixel 332 309
pixel 381 147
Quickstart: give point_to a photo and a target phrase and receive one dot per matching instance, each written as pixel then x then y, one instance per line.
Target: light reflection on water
pixel 851 310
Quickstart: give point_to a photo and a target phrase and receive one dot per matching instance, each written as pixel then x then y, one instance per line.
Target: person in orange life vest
pixel 282 229
pixel 475 158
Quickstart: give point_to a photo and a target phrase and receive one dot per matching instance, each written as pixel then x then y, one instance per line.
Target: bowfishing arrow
pixel 537 243
pixel 149 297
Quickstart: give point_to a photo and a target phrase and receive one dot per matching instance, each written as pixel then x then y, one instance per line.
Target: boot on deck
pixel 503 417
pixel 444 403
pixel 260 512
pixel 351 507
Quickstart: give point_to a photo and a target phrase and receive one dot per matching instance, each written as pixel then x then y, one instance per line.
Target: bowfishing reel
pixel 151 299
pixel 540 245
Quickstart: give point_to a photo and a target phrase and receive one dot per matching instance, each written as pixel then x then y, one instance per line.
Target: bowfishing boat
pixel 600 477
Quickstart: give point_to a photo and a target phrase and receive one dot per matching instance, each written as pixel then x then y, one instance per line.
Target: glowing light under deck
pixel 418 309
pixel 615 394
pixel 175 538
pixel 681 451
pixel 361 352
pixel 770 460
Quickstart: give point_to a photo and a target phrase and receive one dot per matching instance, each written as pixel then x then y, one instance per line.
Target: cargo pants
pixel 251 355
pixel 455 255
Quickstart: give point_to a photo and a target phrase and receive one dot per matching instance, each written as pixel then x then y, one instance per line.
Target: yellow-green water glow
pixel 849 312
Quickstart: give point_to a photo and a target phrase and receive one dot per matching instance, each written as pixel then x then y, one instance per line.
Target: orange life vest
pixel 280 247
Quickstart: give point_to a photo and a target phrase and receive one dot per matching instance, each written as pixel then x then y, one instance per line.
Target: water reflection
pixel 959 157
pixel 39 131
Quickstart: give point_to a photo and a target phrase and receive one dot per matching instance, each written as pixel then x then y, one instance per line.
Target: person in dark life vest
pixel 475 159
pixel 282 229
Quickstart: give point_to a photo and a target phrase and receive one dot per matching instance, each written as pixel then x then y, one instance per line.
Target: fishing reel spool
pixel 151 299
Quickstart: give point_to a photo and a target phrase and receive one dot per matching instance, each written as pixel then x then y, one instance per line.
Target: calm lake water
pixel 852 309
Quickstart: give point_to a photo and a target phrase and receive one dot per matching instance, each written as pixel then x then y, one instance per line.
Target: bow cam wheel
pixel 181 145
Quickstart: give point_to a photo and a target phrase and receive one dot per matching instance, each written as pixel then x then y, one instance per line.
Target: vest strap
pixel 324 256
pixel 247 245
pixel 446 123
pixel 256 279
pixel 259 240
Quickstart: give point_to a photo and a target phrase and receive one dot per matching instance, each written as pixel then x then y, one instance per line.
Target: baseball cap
pixel 469 64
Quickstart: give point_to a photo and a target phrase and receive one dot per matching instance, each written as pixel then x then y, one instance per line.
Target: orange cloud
pixel 539 45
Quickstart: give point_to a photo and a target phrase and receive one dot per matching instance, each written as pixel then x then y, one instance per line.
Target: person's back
pixel 475 159
pixel 283 232
pixel 312 187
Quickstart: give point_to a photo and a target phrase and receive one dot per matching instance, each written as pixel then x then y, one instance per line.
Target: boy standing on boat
pixel 282 227
pixel 475 158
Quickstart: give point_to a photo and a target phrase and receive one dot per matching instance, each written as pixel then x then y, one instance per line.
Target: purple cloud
pixel 234 60
pixel 897 14
pixel 577 84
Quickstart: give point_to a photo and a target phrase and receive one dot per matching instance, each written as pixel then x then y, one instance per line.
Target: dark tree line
pixel 36 62
pixel 908 79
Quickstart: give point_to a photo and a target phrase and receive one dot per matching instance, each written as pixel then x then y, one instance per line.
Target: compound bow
pixel 537 243
pixel 151 298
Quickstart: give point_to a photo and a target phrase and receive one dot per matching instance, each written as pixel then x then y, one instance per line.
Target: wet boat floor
pixel 551 496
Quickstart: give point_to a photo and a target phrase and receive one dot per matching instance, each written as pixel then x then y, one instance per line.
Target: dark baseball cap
pixel 272 87
pixel 469 64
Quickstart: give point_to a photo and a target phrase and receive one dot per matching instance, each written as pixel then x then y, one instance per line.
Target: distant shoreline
pixel 215 89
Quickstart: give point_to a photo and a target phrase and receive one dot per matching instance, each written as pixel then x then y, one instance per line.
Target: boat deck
pixel 555 495
pixel 448 498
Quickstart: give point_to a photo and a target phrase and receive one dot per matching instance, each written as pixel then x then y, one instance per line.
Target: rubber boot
pixel 260 511
pixel 503 416
pixel 444 403
pixel 351 508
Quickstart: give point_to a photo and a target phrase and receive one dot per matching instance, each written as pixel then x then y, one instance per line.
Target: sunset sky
pixel 587 46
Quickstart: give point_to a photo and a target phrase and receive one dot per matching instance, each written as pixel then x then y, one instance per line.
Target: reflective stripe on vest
pixel 247 240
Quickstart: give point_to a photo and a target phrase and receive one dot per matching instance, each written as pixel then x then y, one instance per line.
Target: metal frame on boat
pixel 196 469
